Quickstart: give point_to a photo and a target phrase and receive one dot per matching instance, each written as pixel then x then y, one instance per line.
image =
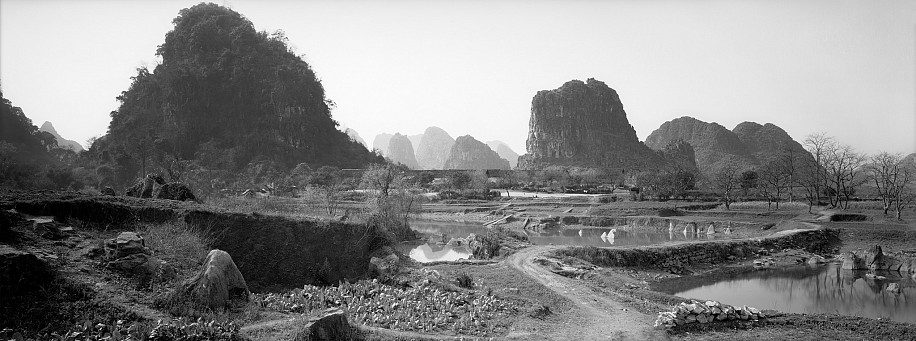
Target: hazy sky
pixel 847 68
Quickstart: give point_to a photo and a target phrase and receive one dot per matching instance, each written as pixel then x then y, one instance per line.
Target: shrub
pixel 323 273
pixel 465 280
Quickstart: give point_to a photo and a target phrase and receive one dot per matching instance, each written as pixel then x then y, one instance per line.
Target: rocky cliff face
pixel 401 150
pixel 583 124
pixel 415 141
pixel 381 142
pixel 61 142
pixel 434 148
pixel 504 152
pixel 355 136
pixel 468 153
pixel 749 144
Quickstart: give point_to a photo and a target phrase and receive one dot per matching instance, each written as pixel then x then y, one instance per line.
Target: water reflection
pixel 821 289
pixel 615 236
pixel 440 249
pixel 434 252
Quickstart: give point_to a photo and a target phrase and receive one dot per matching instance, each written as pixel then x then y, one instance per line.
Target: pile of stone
pixel 128 253
pixel 707 312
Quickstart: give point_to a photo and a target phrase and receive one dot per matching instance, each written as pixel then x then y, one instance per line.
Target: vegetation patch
pixel 423 309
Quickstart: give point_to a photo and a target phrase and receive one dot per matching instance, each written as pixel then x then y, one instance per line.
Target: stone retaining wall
pixel 675 257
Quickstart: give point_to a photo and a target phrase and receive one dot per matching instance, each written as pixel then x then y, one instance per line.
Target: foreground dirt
pixel 593 317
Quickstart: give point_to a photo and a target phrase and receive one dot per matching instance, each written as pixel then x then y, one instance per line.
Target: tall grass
pixel 176 242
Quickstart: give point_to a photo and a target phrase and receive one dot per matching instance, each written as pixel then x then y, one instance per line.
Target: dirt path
pixel 594 316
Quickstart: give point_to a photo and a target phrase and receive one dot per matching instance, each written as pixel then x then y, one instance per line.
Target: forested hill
pixel 225 96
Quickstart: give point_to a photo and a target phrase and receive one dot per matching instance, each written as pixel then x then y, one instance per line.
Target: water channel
pixel 813 289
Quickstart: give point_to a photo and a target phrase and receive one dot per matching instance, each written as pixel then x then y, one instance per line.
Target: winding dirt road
pixel 593 317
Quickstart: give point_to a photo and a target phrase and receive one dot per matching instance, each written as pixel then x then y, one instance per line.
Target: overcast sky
pixel 471 67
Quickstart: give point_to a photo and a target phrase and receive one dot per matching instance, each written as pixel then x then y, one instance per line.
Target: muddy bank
pixel 676 258
pixel 272 252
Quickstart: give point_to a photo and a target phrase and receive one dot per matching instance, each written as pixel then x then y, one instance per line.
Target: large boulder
pixel 219 286
pixel 144 188
pixel 330 324
pixel 126 244
pixel 873 255
pixel 175 191
pixel 851 261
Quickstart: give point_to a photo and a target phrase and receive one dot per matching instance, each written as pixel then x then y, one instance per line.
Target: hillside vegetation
pixel 224 97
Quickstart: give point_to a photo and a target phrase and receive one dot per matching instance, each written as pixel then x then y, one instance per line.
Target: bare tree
pixel 892 175
pixel 726 181
pixel 790 161
pixel 776 179
pixel 814 178
pixel 843 166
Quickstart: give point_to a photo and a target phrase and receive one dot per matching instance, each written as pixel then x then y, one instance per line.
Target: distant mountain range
pixel 433 148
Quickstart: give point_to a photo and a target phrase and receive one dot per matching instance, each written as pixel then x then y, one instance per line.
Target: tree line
pixel 832 174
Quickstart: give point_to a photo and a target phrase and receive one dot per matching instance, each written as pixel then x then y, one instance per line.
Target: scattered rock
pixel 765 263
pixel 331 324
pixel 126 244
pixel 109 191
pixel 893 288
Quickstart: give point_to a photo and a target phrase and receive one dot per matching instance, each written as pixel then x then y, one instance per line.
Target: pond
pixel 424 251
pixel 619 237
pixel 813 289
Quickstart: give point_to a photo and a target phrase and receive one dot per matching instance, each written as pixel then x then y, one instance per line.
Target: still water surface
pixel 429 252
pixel 814 289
